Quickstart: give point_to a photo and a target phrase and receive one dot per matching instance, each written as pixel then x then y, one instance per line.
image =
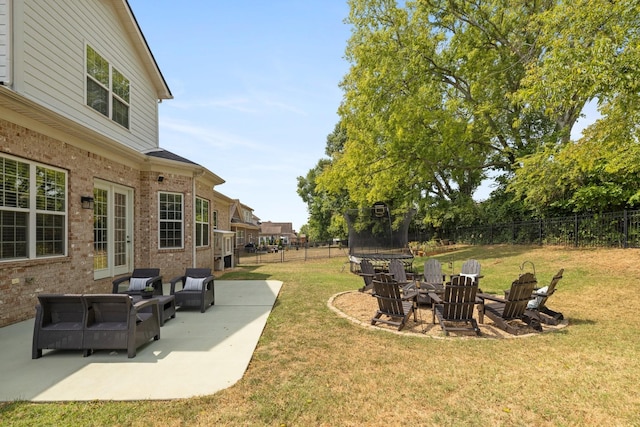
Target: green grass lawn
pixel 312 367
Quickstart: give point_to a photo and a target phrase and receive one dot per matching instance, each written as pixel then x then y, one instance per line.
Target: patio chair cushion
pixel 535 303
pixel 193 283
pixel 138 283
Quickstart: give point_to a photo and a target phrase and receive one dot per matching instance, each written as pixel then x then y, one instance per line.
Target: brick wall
pixel 22 281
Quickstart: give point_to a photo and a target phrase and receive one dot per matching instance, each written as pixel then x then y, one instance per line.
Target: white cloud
pixel 183 133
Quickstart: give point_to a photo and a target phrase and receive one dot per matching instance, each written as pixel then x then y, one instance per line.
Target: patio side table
pixel 166 305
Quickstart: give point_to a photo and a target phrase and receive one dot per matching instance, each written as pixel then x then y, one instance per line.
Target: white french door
pixel 112 230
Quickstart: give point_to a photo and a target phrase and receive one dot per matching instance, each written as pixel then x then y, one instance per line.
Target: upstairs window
pixel 107 89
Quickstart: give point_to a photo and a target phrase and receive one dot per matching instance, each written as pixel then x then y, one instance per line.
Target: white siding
pixel 52 43
pixel 4 42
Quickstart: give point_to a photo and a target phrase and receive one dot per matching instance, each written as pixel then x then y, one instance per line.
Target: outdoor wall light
pixel 160 178
pixel 87 202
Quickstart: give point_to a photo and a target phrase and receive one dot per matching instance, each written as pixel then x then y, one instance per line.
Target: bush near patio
pixel 312 367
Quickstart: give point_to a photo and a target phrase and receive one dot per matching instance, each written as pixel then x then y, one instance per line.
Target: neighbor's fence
pixel 615 229
pixel 291 253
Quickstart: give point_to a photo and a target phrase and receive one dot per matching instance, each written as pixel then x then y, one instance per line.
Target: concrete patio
pixel 197 354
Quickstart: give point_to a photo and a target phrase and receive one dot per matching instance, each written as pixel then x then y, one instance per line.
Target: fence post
pixel 575 231
pixel 540 231
pixel 625 243
pixel 513 232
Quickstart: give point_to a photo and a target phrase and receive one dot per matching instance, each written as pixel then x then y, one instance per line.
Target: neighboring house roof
pixel 283 227
pixel 271 230
pixel 140 42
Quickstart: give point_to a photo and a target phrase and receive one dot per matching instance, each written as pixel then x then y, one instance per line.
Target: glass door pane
pixel 120 230
pixel 100 235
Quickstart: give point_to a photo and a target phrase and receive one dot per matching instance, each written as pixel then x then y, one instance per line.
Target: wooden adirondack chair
pixel 537 308
pixel 507 312
pixel 367 272
pixel 396 269
pixel 433 272
pixel 433 280
pixel 471 268
pixel 396 307
pixel 456 305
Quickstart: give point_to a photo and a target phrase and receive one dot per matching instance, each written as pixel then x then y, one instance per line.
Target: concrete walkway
pixel 197 354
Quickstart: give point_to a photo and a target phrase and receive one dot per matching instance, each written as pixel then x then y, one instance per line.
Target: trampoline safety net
pixel 376 230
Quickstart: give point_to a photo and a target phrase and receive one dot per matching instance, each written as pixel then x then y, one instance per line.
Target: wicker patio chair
pixel 197 289
pixel 139 279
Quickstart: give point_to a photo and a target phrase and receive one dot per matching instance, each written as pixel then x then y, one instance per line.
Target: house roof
pixel 283 227
pixel 165 154
pixel 199 170
pixel 270 230
pixel 140 42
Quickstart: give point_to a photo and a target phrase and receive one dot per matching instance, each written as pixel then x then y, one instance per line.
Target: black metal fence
pixel 292 253
pixel 614 229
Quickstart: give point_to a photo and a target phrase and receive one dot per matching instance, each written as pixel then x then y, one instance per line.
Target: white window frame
pixel 32 211
pixel 240 236
pixel 203 233
pixel 109 87
pixel 162 220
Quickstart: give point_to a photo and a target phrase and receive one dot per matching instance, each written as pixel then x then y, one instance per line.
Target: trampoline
pixel 377 235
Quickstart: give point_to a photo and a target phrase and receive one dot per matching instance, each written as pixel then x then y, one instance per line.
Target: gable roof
pixel 270 229
pixel 142 47
pixel 284 227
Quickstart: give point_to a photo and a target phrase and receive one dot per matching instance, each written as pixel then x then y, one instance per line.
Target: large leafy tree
pixel 430 101
pixel 326 209
pixel 440 92
pixel 592 52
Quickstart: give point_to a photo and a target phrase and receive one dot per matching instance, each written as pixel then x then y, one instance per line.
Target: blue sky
pixel 255 88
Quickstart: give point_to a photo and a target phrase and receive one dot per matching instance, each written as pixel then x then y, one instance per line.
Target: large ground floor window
pixel 170 217
pixel 33 209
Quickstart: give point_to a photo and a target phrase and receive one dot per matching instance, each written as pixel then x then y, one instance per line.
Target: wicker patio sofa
pixel 91 322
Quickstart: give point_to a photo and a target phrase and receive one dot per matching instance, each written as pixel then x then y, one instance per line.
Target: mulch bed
pixel 360 307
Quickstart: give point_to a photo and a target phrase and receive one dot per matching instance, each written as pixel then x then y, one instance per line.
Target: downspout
pixel 196 174
pixel 193 223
